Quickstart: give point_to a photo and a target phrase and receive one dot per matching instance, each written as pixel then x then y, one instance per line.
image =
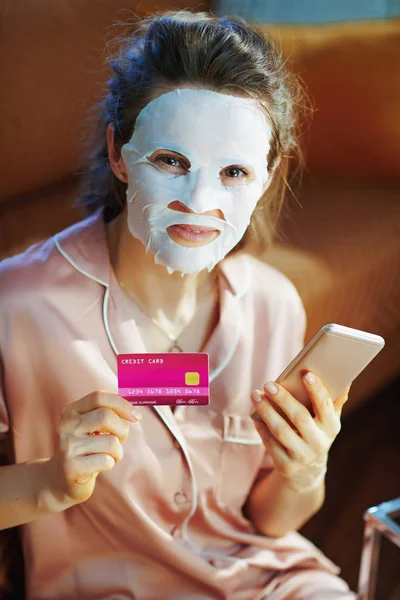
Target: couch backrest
pixel 352 72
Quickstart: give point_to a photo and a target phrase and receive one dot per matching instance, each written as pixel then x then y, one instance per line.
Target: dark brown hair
pixel 223 54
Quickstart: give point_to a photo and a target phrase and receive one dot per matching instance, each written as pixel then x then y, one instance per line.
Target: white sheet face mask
pixel 214 133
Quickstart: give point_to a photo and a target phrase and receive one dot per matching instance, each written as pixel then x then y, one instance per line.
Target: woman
pixel 185 184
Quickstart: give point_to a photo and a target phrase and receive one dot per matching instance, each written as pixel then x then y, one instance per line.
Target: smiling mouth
pixel 193 234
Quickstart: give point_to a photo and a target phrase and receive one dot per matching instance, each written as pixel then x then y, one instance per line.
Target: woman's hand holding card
pixel 82 453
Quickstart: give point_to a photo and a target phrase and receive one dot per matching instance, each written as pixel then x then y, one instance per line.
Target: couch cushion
pixel 344 253
pixel 352 72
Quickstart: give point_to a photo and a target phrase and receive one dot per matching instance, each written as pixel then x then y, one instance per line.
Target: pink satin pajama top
pixel 166 523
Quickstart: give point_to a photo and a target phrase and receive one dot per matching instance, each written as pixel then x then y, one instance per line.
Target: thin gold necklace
pixel 173 338
pixel 175 345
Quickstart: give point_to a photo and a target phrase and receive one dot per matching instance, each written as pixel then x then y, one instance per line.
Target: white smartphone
pixel 336 354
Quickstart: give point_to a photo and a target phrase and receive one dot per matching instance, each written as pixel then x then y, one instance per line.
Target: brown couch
pixel 342 247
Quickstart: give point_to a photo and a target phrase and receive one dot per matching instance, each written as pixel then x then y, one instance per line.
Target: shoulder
pixel 42 267
pixel 27 278
pixel 28 271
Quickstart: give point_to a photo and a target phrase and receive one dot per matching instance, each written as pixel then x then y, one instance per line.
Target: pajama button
pixel 180 498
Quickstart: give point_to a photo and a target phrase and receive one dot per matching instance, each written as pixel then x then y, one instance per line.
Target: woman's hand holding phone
pixel 90 437
pixel 298 442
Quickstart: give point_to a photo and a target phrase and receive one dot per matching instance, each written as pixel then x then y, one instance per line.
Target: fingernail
pixel 136 415
pixel 271 388
pixel 310 378
pixel 256 395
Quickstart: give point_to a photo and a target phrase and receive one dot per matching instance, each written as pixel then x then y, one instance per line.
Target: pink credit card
pixel 172 378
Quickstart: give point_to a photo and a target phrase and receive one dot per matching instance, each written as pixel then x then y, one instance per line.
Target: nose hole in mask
pixel 179 207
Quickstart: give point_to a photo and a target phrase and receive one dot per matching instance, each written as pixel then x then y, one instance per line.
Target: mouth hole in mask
pixel 192 236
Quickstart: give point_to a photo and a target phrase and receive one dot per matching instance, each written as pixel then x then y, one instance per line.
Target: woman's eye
pixel 170 161
pixel 233 172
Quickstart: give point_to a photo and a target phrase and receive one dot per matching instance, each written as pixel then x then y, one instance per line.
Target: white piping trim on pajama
pixel 213 376
pixel 65 255
pixel 242 441
pixel 180 438
pixel 235 559
pixel 228 358
pixel 248 281
pixel 105 321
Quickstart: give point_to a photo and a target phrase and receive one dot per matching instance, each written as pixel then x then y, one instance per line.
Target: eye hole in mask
pixel 160 160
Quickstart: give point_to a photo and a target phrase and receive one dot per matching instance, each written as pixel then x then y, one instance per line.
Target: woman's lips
pixel 193 233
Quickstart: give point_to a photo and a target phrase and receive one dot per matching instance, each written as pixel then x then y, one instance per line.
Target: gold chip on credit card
pixel 192 378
